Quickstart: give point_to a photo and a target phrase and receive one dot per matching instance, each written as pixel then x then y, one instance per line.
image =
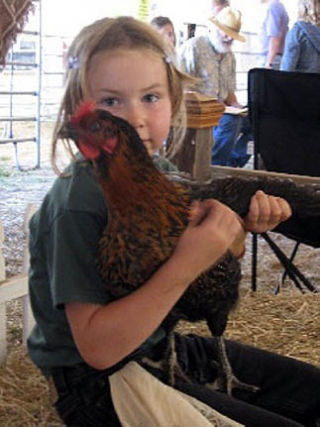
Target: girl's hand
pixel 213 229
pixel 266 212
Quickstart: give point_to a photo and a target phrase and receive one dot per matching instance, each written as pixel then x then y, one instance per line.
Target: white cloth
pixel 141 400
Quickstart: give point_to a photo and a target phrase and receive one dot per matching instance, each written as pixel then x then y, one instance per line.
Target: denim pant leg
pixel 239 155
pixel 87 402
pixel 288 387
pixel 225 136
pixel 235 409
pixel 289 392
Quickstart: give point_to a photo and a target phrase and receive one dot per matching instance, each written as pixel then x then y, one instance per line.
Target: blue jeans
pixel 231 139
pixel 289 389
pixel 288 396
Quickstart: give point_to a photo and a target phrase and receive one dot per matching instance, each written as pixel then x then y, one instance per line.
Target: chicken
pixel 147 213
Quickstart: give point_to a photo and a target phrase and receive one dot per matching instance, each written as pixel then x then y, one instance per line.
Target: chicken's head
pixel 94 131
pixel 109 142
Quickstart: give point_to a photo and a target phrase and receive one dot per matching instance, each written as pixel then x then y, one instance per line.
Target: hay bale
pixel 24 394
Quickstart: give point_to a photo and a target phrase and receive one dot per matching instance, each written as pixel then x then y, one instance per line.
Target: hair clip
pixel 73 62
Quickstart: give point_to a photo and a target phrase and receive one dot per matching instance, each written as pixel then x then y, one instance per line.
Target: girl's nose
pixel 135 116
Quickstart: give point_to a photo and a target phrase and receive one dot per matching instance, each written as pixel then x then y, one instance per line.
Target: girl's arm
pixel 105 334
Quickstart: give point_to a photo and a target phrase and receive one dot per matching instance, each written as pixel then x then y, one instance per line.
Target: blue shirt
pixel 275 24
pixel 302 48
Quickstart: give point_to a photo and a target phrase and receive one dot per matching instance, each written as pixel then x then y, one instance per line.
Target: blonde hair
pixel 108 34
pixel 309 11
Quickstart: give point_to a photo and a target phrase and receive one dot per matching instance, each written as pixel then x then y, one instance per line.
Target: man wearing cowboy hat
pixel 210 58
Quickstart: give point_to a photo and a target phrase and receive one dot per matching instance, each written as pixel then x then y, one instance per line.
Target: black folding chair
pixel 284 111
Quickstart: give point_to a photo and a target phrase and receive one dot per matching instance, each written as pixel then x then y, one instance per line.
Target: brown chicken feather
pixel 147 214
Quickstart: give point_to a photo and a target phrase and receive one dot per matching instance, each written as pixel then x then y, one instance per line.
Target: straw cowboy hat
pixel 229 21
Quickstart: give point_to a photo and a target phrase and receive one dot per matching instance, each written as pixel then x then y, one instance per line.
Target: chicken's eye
pixel 109 132
pixel 95 127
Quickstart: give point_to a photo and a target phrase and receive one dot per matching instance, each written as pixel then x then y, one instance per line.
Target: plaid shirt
pixel 198 57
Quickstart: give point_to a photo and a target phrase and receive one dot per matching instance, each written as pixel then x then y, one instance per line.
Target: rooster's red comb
pixel 83 109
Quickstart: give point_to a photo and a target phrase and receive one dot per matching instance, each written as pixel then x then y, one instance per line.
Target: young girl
pixel 80 336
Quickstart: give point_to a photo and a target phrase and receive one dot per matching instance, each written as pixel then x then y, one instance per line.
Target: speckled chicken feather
pixel 148 212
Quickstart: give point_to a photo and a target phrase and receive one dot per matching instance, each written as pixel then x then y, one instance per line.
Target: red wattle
pixel 109 145
pixel 83 110
pixel 88 152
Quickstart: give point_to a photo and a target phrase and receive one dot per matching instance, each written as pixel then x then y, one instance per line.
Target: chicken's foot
pixel 226 380
pixel 174 368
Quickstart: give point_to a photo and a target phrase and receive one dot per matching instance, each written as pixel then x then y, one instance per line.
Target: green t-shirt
pixel 64 235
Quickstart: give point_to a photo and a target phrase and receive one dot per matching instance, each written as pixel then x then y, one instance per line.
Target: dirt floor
pixel 287 323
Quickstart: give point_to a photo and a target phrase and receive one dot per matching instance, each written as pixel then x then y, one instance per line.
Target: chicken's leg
pixel 226 380
pixel 168 362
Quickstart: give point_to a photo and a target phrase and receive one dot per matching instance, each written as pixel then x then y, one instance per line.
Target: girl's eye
pixel 109 102
pixel 151 97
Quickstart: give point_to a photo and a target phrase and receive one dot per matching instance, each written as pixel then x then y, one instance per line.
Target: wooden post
pixel 195 156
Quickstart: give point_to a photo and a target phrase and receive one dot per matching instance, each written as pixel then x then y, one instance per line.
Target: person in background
pixel 302 46
pixel 165 27
pixel 211 60
pixel 218 5
pixel 273 33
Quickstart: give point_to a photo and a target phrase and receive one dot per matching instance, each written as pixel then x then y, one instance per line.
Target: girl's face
pixel 133 85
